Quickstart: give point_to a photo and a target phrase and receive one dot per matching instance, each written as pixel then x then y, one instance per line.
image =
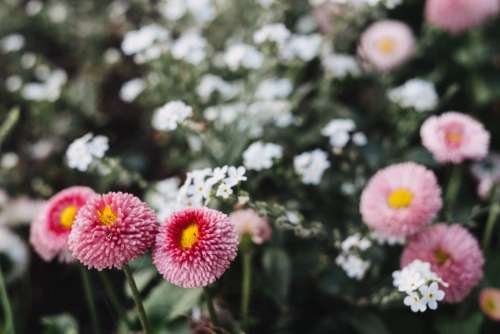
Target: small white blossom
pixel 12 43
pixel 210 84
pixel 417 94
pixel 243 56
pixel 274 89
pixel 201 10
pixel 341 66
pixel 169 116
pixel 338 130
pixel 275 33
pixel 224 191
pixel 84 150
pixel 415 302
pixel 302 47
pixel 259 156
pixel 132 89
pixel 190 47
pixel 140 40
pixel 235 175
pixel 354 266
pixel 311 166
pixel 431 295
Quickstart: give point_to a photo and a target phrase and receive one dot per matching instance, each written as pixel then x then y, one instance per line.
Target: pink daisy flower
pixel 401 199
pixel 50 229
pixel 248 222
pixel 112 229
pixel 386 44
pixel 194 247
pixel 456 16
pixel 489 301
pixel 454 255
pixel 454 137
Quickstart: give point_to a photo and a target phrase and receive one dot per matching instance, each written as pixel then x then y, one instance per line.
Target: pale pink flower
pixel 51 227
pixel 248 222
pixel 455 16
pixel 112 229
pixel 454 255
pixel 401 199
pixel 194 247
pixel 386 44
pixel 454 137
pixel 489 301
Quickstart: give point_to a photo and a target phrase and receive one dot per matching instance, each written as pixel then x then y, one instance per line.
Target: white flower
pixel 415 93
pixel 359 139
pixel 163 197
pixel 58 13
pixel 243 56
pixel 273 89
pixel 13 83
pixel 302 47
pixel 311 166
pixel 202 10
pixel 431 295
pixel 190 47
pixel 416 303
pixel 169 116
pixel 140 40
pixel 210 84
pixel 132 89
pixel 355 241
pixel 259 156
pixel 84 150
pixel 12 43
pixel 408 280
pixel 276 33
pixel 9 160
pixel 341 65
pixel 354 266
pixel 338 130
pixel 235 175
pixel 383 239
pixel 15 252
pixel 49 89
pixel 224 191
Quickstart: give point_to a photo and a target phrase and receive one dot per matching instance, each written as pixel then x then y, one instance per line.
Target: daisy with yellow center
pixel 386 45
pixel 107 216
pixel 189 236
pixel 400 198
pixel 67 217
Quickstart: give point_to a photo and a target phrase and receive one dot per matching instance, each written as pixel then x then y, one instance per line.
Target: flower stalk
pixel 137 299
pixel 492 219
pixel 246 286
pixel 452 191
pixel 8 327
pixel 89 297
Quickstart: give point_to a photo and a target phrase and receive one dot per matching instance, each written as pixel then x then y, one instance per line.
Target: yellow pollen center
pixel 67 217
pixel 386 45
pixel 490 305
pixel 454 137
pixel 400 198
pixel 107 217
pixel 441 256
pixel 189 236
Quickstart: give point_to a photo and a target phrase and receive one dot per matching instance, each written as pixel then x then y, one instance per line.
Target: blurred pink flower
pixel 51 228
pixel 489 301
pixel 386 44
pixel 112 229
pixel 454 255
pixel 456 16
pixel 401 199
pixel 194 247
pixel 454 137
pixel 250 223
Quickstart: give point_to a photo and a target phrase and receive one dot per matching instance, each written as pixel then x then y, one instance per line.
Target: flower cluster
pixel 350 258
pixel 82 152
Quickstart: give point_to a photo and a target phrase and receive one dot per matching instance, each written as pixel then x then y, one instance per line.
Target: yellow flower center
pixel 400 198
pixel 386 45
pixel 454 137
pixel 107 216
pixel 490 304
pixel 67 217
pixel 441 256
pixel 189 236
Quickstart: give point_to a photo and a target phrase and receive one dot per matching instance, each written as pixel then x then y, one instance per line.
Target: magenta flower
pixel 194 247
pixel 51 228
pixel 456 16
pixel 248 222
pixel 454 137
pixel 454 255
pixel 401 199
pixel 112 229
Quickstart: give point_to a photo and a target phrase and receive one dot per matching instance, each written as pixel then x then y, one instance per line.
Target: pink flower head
pixel 454 255
pixel 455 16
pixel 401 199
pixel 386 44
pixel 51 228
pixel 194 247
pixel 112 229
pixel 489 301
pixel 454 137
pixel 248 222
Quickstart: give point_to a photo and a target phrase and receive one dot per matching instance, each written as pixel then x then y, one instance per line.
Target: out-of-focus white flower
pixel 302 47
pixel 15 252
pixel 140 40
pixel 49 90
pixel 275 33
pixel 202 10
pixel 13 83
pixel 243 56
pixel 354 266
pixel 415 93
pixel 266 3
pixel 359 139
pixel 169 116
pixel 311 166
pixel 112 56
pixel 12 43
pixel 210 84
pixel 33 7
pixel 190 47
pixel 338 130
pixel 42 149
pixel 355 241
pixel 340 65
pixel 9 160
pixel 28 60
pixel 132 89
pixel 235 175
pixel 163 197
pixel 306 24
pixel 57 13
pixel 383 239
pixel 273 89
pixel 84 150
pixel 259 156
pixel 20 210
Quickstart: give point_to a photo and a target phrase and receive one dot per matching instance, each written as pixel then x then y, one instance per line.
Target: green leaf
pixel 60 324
pixel 277 267
pixel 468 325
pixel 368 323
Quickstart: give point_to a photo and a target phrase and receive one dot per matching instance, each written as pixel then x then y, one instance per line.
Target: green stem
pixel 452 191
pixel 211 307
pixel 137 299
pixel 89 297
pixel 246 286
pixel 7 309
pixel 492 219
pixel 8 124
pixel 108 287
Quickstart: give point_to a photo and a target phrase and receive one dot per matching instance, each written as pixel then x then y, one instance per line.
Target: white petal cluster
pixel 132 89
pixel 85 150
pixel 311 166
pixel 301 47
pixel 211 84
pixel 273 33
pixel 202 11
pixel 163 197
pixel 383 239
pixel 259 156
pixel 244 56
pixel 190 47
pixel 49 89
pixel 418 94
pixel 274 89
pixel 340 131
pixel 421 286
pixel 169 116
pixel 340 65
pixel 202 185
pixel 13 248
pixel 12 43
pixel 350 258
pixel 144 39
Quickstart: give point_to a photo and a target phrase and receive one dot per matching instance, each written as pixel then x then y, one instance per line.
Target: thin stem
pixel 8 124
pixel 7 309
pixel 211 308
pixel 492 219
pixel 137 299
pixel 108 287
pixel 246 286
pixel 89 297
pixel 452 190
